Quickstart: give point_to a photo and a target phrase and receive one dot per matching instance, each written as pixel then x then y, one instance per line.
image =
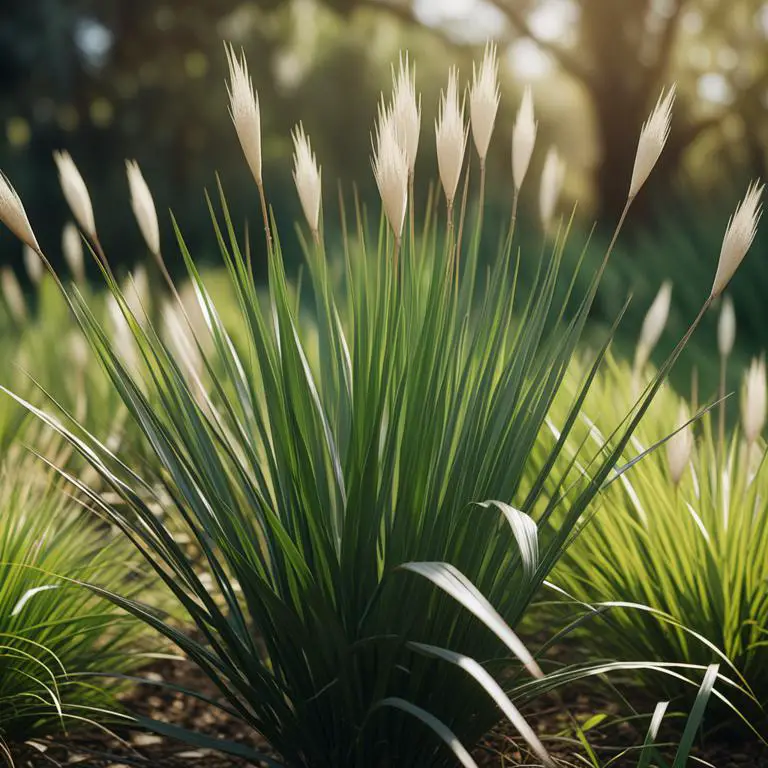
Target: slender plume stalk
pixel 143 207
pixel 246 116
pixel 738 237
pixel 72 248
pixel 653 137
pixel 406 109
pixel 75 193
pixel 484 98
pixel 307 176
pixel 753 401
pixel 726 336
pixel 552 177
pixel 653 326
pixel 390 168
pixel 451 140
pixel 523 142
pixel 680 448
pixel 13 215
pixel 33 264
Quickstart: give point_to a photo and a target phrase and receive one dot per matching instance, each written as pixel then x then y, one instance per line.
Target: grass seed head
pixel 523 138
pixel 13 295
pixel 484 100
pixel 13 215
pixel 72 247
pixel 75 192
pixel 406 108
pixel 680 448
pixel 753 400
pixel 552 177
pixel 450 136
pixel 653 137
pixel 307 176
pixel 244 110
pixel 390 167
pixel 143 206
pixel 656 317
pixel 726 328
pixel 738 237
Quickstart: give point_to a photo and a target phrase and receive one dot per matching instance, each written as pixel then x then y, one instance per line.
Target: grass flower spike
pixel 406 110
pixel 523 138
pixel 653 137
pixel 72 247
pixel 75 192
pixel 13 215
pixel 307 177
pixel 244 110
pixel 679 448
pixel 552 177
pixel 390 168
pixel 738 237
pixel 451 137
pixel 13 295
pixel 33 264
pixel 753 401
pixel 143 206
pixel 656 318
pixel 726 328
pixel 484 100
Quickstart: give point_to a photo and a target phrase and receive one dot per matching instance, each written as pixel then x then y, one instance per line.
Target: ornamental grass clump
pixel 674 562
pixel 349 481
pixel 62 648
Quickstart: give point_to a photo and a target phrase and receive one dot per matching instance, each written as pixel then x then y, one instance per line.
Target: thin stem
pixel 721 410
pixel 412 213
pixel 265 216
pixel 449 213
pixel 615 237
pixel 513 220
pixel 396 256
pixel 482 193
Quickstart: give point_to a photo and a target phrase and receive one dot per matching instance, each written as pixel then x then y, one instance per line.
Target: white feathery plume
pixel 653 137
pixel 72 247
pixel 753 400
pixel 75 192
pixel 739 235
pixel 33 264
pixel 523 138
pixel 13 215
pixel 244 110
pixel 484 100
pixel 451 137
pixel 390 167
pixel 307 176
pixel 552 177
pixel 679 448
pixel 726 327
pixel 406 110
pixel 143 206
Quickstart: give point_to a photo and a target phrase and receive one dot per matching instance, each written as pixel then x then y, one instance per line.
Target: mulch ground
pixel 501 749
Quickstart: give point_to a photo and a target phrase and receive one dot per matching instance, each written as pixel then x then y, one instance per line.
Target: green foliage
pixel 338 461
pixel 696 552
pixel 57 638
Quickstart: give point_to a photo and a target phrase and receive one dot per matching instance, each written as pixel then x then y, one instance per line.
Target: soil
pixel 502 748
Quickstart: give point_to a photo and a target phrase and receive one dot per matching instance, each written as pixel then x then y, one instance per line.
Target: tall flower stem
pixel 412 213
pixel 450 233
pixel 265 216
